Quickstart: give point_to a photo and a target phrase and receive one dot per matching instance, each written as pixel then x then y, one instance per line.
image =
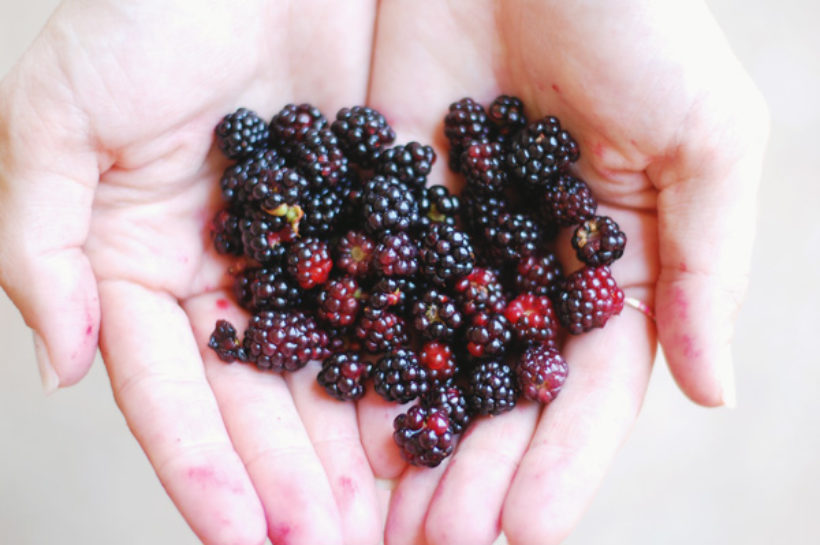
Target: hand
pixel 672 134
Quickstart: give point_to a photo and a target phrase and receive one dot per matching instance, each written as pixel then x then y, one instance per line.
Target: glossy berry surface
pixel 380 330
pixel 541 373
pixel 491 388
pixel 599 241
pixel 398 376
pixel 283 341
pixel 242 133
pixel 532 318
pixel 343 376
pixel 588 298
pixel 424 436
pixel 338 301
pixel 488 335
pixel 309 262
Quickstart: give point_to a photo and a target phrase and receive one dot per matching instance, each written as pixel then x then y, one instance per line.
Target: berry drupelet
pixel 488 335
pixel 398 376
pixel 388 205
pixel 506 117
pixel 320 158
pixel 242 133
pixel 599 241
pixel 424 436
pixel 362 133
pixel 567 201
pixel 225 343
pixel 291 124
pixel 436 316
pixel 408 163
pixel 541 373
pixel 396 255
pixel 239 180
pixel 269 288
pixel 532 318
pixel 446 254
pixel 452 399
pixel 438 205
pixel 285 341
pixel 588 298
pixel 465 123
pixel 439 360
pixel 309 262
pixel 540 152
pixel 343 376
pixel 539 274
pixel 380 330
pixel 338 301
pixel 354 254
pixel 482 164
pixel 491 388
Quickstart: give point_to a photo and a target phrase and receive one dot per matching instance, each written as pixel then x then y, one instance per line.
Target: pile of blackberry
pixel 343 254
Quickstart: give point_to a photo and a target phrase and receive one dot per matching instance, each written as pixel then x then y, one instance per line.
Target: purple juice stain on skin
pixel 279 534
pixel 681 303
pixel 222 304
pixel 556 88
pixel 348 487
pixel 689 348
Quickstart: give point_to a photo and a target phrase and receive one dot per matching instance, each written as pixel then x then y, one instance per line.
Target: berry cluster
pixel 454 301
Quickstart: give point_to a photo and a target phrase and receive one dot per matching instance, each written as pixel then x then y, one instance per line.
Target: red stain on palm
pixel 690 350
pixel 88 330
pixel 279 534
pixel 681 303
pixel 222 303
pixel 556 88
pixel 598 149
pixel 348 487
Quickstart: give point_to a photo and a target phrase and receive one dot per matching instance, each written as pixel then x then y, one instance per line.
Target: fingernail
pixel 48 375
pixel 726 376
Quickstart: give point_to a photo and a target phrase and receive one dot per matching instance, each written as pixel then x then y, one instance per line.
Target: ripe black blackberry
pixel 396 293
pixel 451 398
pixel 539 273
pixel 264 237
pixel 541 151
pixel 339 301
pixel 362 133
pixel 512 236
pixel 446 254
pixel 481 209
pixel 309 262
pixel 491 388
pixel 466 122
pixel 242 133
pixel 488 335
pixel 278 341
pixel 388 205
pixel 238 180
pixel 225 343
pixel 320 158
pixel 532 318
pixel 480 291
pixel 438 205
pixel 275 187
pixel 436 315
pixel 541 373
pixel 343 375
pixel 483 166
pixel 439 361
pixel 323 211
pixel 567 201
pixel 398 376
pixel 396 255
pixel 354 254
pixel 424 436
pixel 380 330
pixel 289 126
pixel 269 288
pixel 408 163
pixel 599 241
pixel 226 234
pixel 506 117
pixel 588 298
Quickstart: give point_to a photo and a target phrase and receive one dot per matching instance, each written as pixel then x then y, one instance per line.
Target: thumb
pixel 48 172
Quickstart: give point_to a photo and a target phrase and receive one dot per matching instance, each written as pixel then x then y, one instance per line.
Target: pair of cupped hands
pixel 109 179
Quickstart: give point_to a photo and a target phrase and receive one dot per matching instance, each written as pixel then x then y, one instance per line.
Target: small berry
pixel 541 151
pixel 491 388
pixel 567 201
pixel 540 274
pixel 354 254
pixel 323 210
pixel 396 255
pixel 239 180
pixel 438 205
pixel 488 335
pixel 506 116
pixel 394 292
pixel 541 373
pixel 512 236
pixel 362 133
pixel 439 360
pixel 483 166
pixel 398 376
pixel 532 318
pixel 388 205
pixel 480 291
pixel 446 254
pixel 320 158
pixel 465 123
pixel 424 436
pixel 451 398
pixel 267 288
pixel 284 340
pixel 588 298
pixel 343 376
pixel 380 330
pixel 291 124
pixel 436 316
pixel 599 241
pixel 408 163
pixel 264 237
pixel 224 342
pixel 226 233
pixel 309 262
pixel 481 209
pixel 242 133
pixel 339 301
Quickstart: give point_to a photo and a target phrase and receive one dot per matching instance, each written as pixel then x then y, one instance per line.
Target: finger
pixel 158 382
pixel 580 432
pixel 334 432
pixel 376 428
pixel 409 504
pixel 48 172
pixel 269 436
pixel 466 509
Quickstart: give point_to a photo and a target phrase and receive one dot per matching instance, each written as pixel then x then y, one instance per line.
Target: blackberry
pixel 480 210
pixel 438 205
pixel 480 291
pixel 267 288
pixel 309 262
pixel 436 316
pixel 343 376
pixel 408 163
pixel 354 254
pixel 226 234
pixel 439 361
pixel 446 254
pixel 541 373
pixel 488 335
pixel 380 330
pixel 567 201
pixel 387 205
pixel 393 292
pixel 362 133
pixel 225 343
pixel 506 116
pixel 491 388
pixel 323 210
pixel 483 166
pixel 264 237
pixel 599 241
pixel 238 181
pixel 533 318
pixel 588 298
pixel 396 255
pixel 276 187
pixel 320 158
pixel 465 123
pixel 399 377
pixel 424 436
pixel 512 236
pixel 242 133
pixel 291 124
pixel 539 274
pixel 452 399
pixel 541 151
pixel 280 341
pixel 341 339
pixel 339 301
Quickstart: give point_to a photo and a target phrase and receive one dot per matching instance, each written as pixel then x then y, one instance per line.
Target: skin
pixel 107 185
